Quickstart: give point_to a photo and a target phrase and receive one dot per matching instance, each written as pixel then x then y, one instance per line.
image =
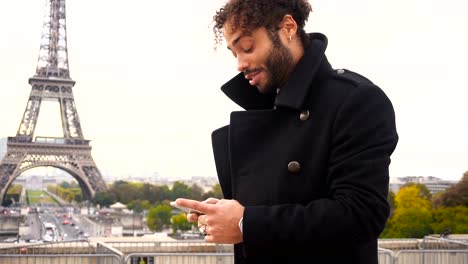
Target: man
pixel 304 170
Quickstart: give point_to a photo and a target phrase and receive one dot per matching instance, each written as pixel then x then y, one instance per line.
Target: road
pixel 53 223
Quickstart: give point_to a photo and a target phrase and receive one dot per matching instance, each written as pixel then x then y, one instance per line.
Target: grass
pixel 34 197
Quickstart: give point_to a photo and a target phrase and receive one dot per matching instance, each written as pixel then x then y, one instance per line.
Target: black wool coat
pixel 310 164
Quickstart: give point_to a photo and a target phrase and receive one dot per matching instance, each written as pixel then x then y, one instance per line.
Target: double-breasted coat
pixel 310 164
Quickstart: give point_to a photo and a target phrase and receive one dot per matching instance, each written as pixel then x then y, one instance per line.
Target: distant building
pixel 432 183
pixel 205 182
pixel 3 147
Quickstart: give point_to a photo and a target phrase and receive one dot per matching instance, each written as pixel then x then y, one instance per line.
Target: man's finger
pixel 209 239
pixel 211 200
pixel 192 217
pixel 195 205
pixel 201 220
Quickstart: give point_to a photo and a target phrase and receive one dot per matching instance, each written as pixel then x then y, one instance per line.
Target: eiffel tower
pixel 72 152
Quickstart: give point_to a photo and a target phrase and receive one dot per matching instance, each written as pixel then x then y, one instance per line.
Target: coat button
pixel 304 115
pixel 340 71
pixel 294 166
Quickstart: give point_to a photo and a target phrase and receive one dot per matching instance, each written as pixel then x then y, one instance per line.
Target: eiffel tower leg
pixel 6 173
pixel 75 159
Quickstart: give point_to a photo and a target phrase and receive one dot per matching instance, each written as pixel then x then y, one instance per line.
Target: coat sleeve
pixel 355 209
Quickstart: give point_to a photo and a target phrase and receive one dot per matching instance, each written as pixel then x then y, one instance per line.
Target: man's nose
pixel 242 65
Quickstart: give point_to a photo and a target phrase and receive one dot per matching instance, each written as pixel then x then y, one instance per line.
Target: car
pixel 66 222
pixel 10 240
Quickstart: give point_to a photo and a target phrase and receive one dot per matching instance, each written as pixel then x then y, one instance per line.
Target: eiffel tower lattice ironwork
pixel 72 152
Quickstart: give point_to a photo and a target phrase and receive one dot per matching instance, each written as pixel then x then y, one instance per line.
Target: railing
pixel 386 256
pixel 57 248
pixel 179 258
pixel 193 246
pixel 403 257
pixel 437 251
pixel 432 257
pixel 102 248
pixel 431 242
pixel 62 259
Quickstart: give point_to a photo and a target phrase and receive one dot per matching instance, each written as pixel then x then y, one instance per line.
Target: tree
pixel 456 195
pixel 180 189
pixel 13 193
pixel 159 217
pixel 412 216
pixel 196 192
pixel 146 204
pixel 423 190
pixel 125 192
pixel 180 222
pixel 104 199
pixel 453 219
pixel 391 201
pixel 64 184
pixel 136 206
pixel 162 193
pixel 215 192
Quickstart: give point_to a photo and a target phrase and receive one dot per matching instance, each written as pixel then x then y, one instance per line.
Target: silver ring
pixel 203 229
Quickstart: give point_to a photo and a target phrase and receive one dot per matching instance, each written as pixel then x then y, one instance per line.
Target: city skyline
pixel 147 78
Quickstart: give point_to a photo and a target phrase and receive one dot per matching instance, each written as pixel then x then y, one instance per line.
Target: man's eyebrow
pixel 234 43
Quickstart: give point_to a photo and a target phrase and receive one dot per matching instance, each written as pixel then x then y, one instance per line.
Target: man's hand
pixel 221 219
pixel 193 217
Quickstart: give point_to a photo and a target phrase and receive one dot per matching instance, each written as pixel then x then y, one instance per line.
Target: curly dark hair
pixel 249 15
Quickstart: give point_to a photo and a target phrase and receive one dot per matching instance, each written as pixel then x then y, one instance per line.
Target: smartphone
pixel 185 209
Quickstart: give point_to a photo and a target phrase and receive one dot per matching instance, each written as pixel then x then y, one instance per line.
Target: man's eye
pixel 248 50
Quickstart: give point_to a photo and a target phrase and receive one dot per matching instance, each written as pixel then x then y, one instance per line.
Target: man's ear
pixel 288 26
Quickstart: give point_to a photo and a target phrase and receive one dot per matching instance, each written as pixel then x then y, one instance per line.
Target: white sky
pixel 148 80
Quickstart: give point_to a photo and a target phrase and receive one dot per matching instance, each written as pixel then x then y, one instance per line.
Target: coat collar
pixel 311 67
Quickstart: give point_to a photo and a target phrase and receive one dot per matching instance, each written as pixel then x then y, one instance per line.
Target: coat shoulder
pixel 342 83
pixel 337 86
pixel 350 77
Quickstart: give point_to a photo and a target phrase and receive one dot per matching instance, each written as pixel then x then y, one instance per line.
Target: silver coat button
pixel 340 71
pixel 294 167
pixel 304 115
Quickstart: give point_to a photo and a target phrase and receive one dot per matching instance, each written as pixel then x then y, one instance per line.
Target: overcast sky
pixel 147 77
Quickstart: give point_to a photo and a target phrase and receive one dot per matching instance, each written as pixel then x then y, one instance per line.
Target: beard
pixel 279 65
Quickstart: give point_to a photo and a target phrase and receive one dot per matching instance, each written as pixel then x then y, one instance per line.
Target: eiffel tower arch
pixel 51 82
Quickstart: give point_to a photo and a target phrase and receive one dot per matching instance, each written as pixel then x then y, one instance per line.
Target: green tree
pixel 104 199
pixel 161 193
pixel 196 192
pixel 13 193
pixel 145 204
pixel 180 189
pixel 159 217
pixel 412 216
pixel 77 194
pixel 453 219
pixel 136 206
pixel 215 192
pixel 125 192
pixel 64 184
pixel 180 222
